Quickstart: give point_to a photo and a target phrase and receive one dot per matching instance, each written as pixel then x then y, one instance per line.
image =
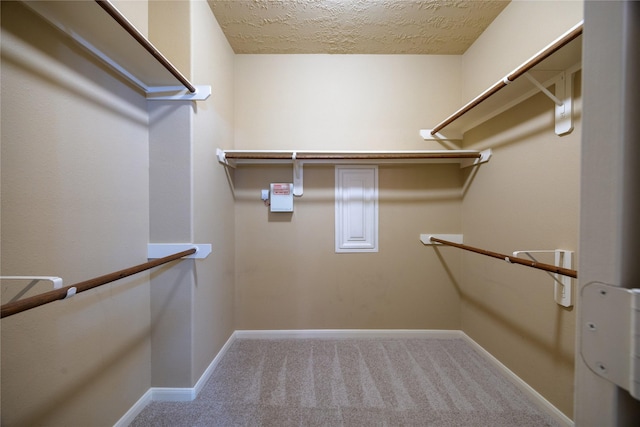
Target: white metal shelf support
pixel 450 135
pixel 298 177
pixel 455 238
pixel 177 93
pixel 485 155
pixel 33 280
pixel 543 89
pixel 161 250
pixel 563 99
pixel 55 281
pixel 562 286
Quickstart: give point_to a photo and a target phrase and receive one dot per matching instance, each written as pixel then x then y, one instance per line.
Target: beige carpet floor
pixel 351 382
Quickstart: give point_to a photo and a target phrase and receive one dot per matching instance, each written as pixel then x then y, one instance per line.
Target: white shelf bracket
pixel 161 250
pixel 485 155
pixel 563 99
pixel 33 280
pixel 177 93
pixel 564 112
pixel 455 238
pixel 222 158
pixel 543 89
pixel 451 136
pixel 55 281
pixel 610 344
pixel 562 285
pixel 298 176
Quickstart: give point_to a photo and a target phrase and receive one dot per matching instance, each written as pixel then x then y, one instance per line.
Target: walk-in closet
pixel 319 212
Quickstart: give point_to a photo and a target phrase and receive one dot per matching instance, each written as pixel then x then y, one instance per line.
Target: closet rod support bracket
pixel 562 285
pixel 428 135
pixel 563 99
pixel 177 93
pixel 544 90
pixel 485 155
pixel 298 176
pixel 564 112
pixel 161 250
pixel 56 281
pixel 222 158
pixel 455 238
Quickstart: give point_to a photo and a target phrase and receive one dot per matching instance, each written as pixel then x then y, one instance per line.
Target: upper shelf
pixel 104 31
pixel 463 157
pixel 543 69
pixel 233 158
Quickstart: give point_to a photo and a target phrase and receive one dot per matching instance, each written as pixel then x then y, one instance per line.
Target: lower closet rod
pixel 511 259
pixel 68 291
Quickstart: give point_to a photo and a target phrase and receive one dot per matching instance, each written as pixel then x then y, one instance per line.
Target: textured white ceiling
pixel 354 26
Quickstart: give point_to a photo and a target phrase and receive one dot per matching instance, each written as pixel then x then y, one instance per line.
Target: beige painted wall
pixel 213 210
pixel 169 24
pixel 334 102
pixel 526 197
pixel 520 31
pixel 137 13
pixel 192 312
pixel 171 207
pixel 75 205
pixel 288 274
pixel 289 277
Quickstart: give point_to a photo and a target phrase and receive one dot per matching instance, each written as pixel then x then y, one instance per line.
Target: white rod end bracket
pixel 451 136
pixel 56 281
pixel 161 250
pixel 178 94
pixel 485 155
pixel 455 238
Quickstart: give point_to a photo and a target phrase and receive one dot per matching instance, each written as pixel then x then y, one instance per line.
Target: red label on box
pixel 281 189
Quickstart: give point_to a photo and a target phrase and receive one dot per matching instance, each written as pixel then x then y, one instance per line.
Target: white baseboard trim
pixel 212 366
pixel 173 394
pixel 170 394
pixel 135 410
pixel 188 394
pixel 536 397
pixel 348 333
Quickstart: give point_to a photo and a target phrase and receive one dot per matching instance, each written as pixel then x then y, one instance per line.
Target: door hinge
pixel 610 344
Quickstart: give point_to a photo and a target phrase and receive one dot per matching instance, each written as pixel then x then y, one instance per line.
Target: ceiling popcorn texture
pixel 354 26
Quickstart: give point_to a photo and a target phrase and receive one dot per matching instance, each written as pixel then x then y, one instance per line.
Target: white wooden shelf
pixel 553 65
pixel 100 28
pixel 233 158
pixel 463 157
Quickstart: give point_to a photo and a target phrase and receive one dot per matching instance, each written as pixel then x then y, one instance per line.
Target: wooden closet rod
pixel 528 65
pixel 58 294
pixel 133 31
pixel 511 259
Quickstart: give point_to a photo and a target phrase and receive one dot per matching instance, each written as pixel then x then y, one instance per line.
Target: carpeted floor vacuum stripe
pixel 351 382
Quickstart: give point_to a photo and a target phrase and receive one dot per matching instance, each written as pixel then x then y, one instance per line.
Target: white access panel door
pixel 356 208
